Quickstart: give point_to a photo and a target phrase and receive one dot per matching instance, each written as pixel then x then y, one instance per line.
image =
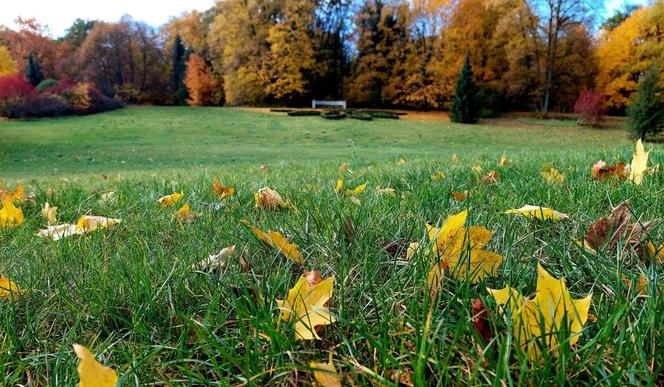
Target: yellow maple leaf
pixel 639 164
pixel 170 200
pixel 438 176
pixel 325 373
pixel 401 161
pixel 8 288
pixel 89 223
pixel 539 321
pixel 537 212
pixel 553 176
pixel 18 195
pixel 92 373
pixel 185 213
pixel 305 306
pixel 270 199
pixel 504 160
pixel 223 191
pixel 476 169
pixel 461 250
pixel 50 213
pixel 278 241
pixel 357 190
pixel 10 215
pixel 339 187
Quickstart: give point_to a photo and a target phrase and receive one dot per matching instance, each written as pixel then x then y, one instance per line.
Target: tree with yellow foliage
pixel 626 52
pixel 7 65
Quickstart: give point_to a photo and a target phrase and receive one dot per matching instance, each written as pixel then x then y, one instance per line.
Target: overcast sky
pixel 60 14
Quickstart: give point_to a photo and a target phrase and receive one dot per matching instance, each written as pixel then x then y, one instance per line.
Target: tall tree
pixel 558 17
pixel 201 84
pixel 626 52
pixel 645 115
pixel 7 64
pixel 178 71
pixel 289 70
pixel 465 104
pixel 78 31
pixel 33 72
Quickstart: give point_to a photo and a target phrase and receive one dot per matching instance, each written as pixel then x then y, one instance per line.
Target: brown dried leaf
pixel 313 277
pixel 601 170
pixel 490 177
pixel 396 248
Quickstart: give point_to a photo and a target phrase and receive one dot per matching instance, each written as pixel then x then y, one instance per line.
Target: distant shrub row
pixel 51 98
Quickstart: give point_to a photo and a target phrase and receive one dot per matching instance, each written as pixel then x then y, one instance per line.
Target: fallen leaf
pixel 313 277
pixel 59 231
pixel 401 161
pixel 305 307
pixel 343 168
pixel 86 223
pixel 641 285
pixel 452 243
pixel 606 233
pixel 18 195
pixel 92 373
pixel 553 176
pixel 397 247
pixel 503 161
pixel 89 223
pixel 348 230
pixel 8 288
pixel 357 190
pixel 639 164
pixel 438 176
pixel 385 191
pixel 460 196
pixel 10 215
pixel 277 241
pixel 325 374
pixel 270 199
pixel 223 191
pixel 537 322
pixel 455 159
pixel 481 320
pixel 537 212
pixel 215 261
pixel 170 200
pixel 185 214
pixel 263 169
pixel 339 186
pixel 491 177
pixel 477 169
pixel 601 170
pixel 50 214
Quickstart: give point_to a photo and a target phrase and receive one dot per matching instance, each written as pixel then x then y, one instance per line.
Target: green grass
pixel 159 138
pixel 129 294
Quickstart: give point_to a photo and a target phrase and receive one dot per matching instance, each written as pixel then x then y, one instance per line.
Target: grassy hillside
pixel 129 292
pixel 160 138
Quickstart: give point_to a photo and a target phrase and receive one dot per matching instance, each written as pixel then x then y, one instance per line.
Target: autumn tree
pixel 645 115
pixel 201 84
pixel 559 16
pixel 31 37
pixel 238 41
pixel 627 51
pixel 192 29
pixel 7 64
pixel 33 72
pixel 292 60
pixel 178 71
pixel 78 31
pixel 125 59
pixel 465 104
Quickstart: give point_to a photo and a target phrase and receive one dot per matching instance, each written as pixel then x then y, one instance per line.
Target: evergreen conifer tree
pixel 178 72
pixel 465 104
pixel 33 71
pixel 645 115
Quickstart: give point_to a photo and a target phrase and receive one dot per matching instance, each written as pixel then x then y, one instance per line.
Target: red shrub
pixel 591 106
pixel 15 89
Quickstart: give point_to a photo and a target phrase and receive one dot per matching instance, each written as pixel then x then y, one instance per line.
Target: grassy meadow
pixel 129 292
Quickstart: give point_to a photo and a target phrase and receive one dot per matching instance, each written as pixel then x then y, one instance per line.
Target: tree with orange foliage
pixel 203 87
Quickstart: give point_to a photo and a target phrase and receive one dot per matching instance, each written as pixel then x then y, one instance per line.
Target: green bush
pixel 46 84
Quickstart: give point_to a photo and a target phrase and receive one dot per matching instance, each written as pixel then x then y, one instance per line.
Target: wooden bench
pixel 338 104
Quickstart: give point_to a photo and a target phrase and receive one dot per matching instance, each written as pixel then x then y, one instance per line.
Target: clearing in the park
pixel 226 246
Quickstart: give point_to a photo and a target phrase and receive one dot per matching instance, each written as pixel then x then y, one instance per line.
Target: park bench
pixel 337 104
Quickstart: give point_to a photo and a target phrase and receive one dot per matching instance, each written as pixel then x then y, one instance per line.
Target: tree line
pixel 525 54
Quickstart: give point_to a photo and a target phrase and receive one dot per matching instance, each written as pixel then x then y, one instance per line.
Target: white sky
pixel 59 14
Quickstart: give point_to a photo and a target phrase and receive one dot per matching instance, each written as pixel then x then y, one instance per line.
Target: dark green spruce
pixel 178 72
pixel 33 71
pixel 465 104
